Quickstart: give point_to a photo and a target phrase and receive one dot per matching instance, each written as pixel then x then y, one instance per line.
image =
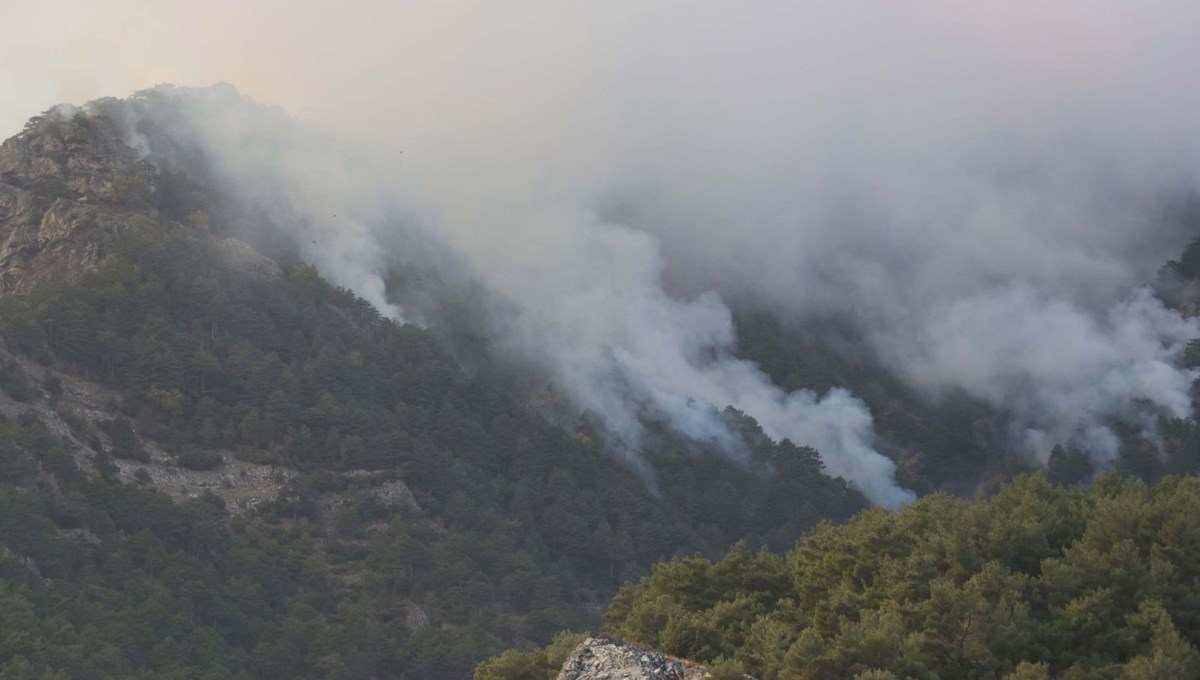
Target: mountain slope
pixel 402 517
pixel 68 186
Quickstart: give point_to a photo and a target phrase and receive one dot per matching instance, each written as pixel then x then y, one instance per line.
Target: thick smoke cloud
pixel 282 173
pixel 587 303
pixel 979 189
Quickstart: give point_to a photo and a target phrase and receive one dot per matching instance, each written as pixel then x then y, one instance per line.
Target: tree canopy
pixel 1037 581
pixel 519 527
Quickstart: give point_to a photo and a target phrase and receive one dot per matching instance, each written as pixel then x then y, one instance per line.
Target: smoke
pixel 1062 373
pixel 594 312
pixel 979 190
pixel 586 297
pixel 282 173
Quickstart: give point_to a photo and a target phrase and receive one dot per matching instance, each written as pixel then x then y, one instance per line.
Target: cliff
pixel 69 186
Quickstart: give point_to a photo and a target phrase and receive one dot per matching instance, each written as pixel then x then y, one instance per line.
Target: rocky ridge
pixel 69 187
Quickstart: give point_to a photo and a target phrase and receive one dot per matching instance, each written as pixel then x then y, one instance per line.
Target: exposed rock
pixel 598 659
pixel 81 536
pixel 244 486
pixel 83 404
pixel 69 187
pixel 415 616
pixel 394 493
pixel 81 400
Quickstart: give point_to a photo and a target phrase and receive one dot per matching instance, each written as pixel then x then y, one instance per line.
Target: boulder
pixel 598 659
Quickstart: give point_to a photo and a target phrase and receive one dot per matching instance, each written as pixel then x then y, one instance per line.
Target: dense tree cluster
pixel 104 580
pixel 1038 581
pixel 521 528
pixel 538 664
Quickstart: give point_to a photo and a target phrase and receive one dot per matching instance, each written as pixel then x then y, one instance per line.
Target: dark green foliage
pixel 200 459
pixel 14 382
pixel 53 386
pixel 1188 265
pixel 1141 460
pixel 539 664
pixel 125 444
pixel 1037 581
pixel 1068 466
pixel 520 528
pixel 1191 354
pixel 102 580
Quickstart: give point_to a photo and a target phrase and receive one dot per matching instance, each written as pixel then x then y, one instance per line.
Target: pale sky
pixel 322 57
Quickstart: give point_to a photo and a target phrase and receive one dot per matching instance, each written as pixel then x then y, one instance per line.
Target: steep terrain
pixel 69 186
pixel 235 469
pixel 72 189
pixel 348 501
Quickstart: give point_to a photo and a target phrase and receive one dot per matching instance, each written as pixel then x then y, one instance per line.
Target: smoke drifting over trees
pixel 980 192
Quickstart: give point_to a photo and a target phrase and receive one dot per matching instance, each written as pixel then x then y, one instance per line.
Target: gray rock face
pixel 69 186
pixel 604 660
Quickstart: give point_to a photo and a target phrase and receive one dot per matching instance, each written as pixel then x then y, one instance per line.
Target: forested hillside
pixel 215 463
pixel 622 340
pixel 1038 581
pixel 517 530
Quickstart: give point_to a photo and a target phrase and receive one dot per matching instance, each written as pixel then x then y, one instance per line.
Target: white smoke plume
pixel 589 302
pixel 980 190
pixel 290 175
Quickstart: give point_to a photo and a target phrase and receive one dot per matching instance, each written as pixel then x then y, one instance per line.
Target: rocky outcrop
pixel 69 186
pixel 597 659
pixel 74 414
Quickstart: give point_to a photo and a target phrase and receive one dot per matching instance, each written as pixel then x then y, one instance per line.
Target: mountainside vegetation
pixel 517 528
pixel 414 512
pixel 1038 581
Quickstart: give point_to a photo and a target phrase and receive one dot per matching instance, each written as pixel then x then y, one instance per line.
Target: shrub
pixel 200 459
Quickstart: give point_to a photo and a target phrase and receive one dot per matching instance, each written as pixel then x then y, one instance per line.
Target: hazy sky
pixel 980 188
pixel 321 57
